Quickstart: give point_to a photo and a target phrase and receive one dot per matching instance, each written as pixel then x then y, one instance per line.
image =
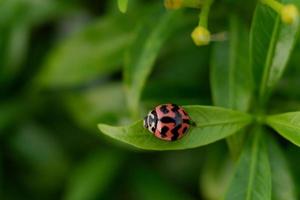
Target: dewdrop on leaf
pixel 173 4
pixel 289 14
pixel 201 36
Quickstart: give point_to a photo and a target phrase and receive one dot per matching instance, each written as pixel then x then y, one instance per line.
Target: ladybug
pixel 167 122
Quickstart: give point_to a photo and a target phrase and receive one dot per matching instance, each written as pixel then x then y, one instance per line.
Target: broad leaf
pixel 287 125
pixel 252 179
pixel 271 43
pixel 212 124
pixel 92 177
pixel 143 52
pixel 283 186
pixel 122 4
pixel 214 180
pixel 93 52
pixel 230 58
pixel 233 88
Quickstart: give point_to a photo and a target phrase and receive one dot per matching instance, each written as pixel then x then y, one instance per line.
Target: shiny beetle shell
pixel 167 122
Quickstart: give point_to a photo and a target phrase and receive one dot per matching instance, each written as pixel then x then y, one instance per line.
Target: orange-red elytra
pixel 168 122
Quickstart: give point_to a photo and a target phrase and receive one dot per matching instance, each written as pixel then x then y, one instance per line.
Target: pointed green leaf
pixel 216 173
pixel 122 4
pixel 287 125
pixel 283 186
pixel 252 179
pixel 234 88
pixel 212 124
pixel 271 43
pixel 143 52
pixel 231 59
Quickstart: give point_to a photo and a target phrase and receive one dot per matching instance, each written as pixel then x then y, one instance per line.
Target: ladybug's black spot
pixel 153 129
pixel 175 108
pixel 163 132
pixel 175 132
pixel 186 121
pixel 184 130
pixel 167 120
pixel 164 109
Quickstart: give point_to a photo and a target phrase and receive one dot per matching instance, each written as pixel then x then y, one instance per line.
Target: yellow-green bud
pixel 173 4
pixel 201 36
pixel 289 14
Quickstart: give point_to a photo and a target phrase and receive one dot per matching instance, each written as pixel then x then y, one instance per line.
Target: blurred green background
pixel 61 74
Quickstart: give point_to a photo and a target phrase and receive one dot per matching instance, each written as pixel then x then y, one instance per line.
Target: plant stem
pixel 203 16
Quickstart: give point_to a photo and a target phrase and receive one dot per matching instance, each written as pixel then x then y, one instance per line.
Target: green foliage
pixel 287 125
pixel 123 5
pixel 145 48
pixel 91 178
pixel 252 179
pixel 154 187
pixel 208 123
pixel 97 50
pixel 271 43
pixel 283 186
pixel 66 66
pixel 234 88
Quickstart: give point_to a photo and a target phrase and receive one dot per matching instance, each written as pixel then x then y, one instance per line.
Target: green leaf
pixel 287 125
pixel 143 52
pixel 283 186
pixel 92 177
pixel 252 179
pixel 95 51
pixel 122 4
pixel 233 89
pixel 271 43
pixel 216 173
pixel 212 124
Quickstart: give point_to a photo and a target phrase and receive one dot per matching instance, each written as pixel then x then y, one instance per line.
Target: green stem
pixel 275 5
pixel 203 16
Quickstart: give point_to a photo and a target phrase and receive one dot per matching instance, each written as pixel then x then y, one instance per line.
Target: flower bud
pixel 201 36
pixel 173 4
pixel 289 14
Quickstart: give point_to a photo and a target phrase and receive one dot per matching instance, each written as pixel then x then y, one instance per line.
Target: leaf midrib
pixel 268 62
pixel 223 122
